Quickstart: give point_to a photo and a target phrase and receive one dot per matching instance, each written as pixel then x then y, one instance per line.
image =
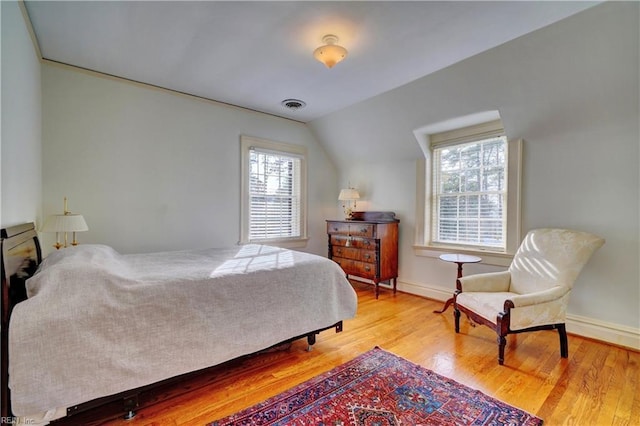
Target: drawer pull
pixel 367 256
pixel 339 251
pixel 364 230
pixel 335 229
pixel 367 268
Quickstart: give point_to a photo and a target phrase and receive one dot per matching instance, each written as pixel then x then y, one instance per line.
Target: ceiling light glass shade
pixel 331 53
pixel 65 223
pixel 348 194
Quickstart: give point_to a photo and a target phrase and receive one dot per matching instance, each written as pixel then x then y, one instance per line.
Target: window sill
pixel 488 257
pixel 284 243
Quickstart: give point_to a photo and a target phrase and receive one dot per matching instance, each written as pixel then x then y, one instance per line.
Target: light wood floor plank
pixel 614 386
pixel 628 407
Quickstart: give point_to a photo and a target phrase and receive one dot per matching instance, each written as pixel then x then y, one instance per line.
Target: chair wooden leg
pixel 564 345
pixel 456 316
pixel 503 322
pixel 502 342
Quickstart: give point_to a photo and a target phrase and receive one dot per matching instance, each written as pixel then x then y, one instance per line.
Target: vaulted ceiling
pixel 257 54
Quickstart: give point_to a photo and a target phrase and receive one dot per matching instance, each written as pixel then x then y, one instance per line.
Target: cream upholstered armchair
pixel 534 292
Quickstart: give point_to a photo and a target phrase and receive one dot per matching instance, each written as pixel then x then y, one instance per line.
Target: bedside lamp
pixel 348 195
pixel 64 223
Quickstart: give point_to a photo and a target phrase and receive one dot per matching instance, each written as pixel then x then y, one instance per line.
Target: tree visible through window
pixel 469 193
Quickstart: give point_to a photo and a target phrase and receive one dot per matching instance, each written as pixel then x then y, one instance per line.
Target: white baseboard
pixel 435 293
pixel 616 334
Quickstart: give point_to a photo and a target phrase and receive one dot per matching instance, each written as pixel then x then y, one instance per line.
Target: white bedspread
pixel 97 323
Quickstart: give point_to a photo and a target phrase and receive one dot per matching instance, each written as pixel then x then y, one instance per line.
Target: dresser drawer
pixel 343 240
pixel 354 267
pixel 353 228
pixel 354 253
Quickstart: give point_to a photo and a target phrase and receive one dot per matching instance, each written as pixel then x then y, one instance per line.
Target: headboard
pixel 21 255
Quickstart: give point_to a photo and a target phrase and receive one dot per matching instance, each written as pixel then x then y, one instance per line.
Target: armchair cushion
pixel 534 309
pixel 487 305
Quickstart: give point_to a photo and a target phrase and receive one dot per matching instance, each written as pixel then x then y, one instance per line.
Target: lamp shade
pixel 65 223
pixel 331 53
pixel 348 194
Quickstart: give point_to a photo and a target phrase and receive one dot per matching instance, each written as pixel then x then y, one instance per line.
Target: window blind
pixel 274 194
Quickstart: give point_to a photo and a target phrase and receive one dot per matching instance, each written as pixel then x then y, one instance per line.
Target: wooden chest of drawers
pixel 366 246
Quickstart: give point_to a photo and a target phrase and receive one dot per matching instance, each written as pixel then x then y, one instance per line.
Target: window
pixel 274 190
pixel 470 193
pixel 469 190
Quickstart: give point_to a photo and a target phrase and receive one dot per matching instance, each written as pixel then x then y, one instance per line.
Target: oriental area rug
pixel 379 388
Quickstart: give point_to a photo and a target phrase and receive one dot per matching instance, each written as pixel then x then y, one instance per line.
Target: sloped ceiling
pixel 256 54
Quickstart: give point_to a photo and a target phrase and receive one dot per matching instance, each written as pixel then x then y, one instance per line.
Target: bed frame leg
pixel 130 404
pixel 311 340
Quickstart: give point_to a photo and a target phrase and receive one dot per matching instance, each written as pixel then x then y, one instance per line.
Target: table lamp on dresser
pixel 346 196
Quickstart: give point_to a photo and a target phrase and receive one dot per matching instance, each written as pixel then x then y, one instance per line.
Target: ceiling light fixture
pixel 293 104
pixel 331 53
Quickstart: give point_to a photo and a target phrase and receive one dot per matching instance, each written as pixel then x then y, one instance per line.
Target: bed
pixel 88 326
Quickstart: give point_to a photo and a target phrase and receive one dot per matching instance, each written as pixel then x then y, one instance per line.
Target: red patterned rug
pixel 379 388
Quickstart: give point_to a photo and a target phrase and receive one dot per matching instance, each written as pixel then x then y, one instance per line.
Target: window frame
pixel 247 143
pixel 424 244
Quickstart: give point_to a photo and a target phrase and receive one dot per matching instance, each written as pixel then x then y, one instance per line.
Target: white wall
pixel 21 122
pixel 571 92
pixel 152 170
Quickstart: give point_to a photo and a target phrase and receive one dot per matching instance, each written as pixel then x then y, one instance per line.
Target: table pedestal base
pixel 459 259
pixel 446 306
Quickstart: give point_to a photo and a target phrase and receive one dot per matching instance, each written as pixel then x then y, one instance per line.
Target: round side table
pixel 459 259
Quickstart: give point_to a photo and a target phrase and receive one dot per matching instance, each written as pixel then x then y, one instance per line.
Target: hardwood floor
pixel 596 385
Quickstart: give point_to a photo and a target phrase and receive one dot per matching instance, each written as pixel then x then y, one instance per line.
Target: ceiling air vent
pixel 293 104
